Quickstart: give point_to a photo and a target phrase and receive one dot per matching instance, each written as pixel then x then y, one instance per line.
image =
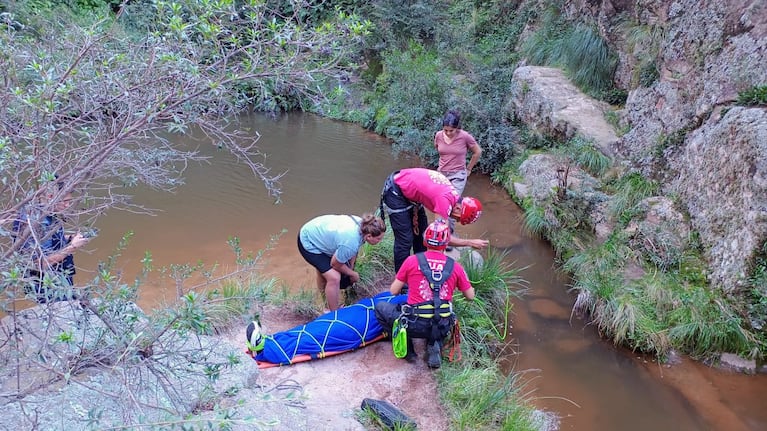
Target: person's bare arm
pixel 396 287
pixel 344 269
pixel 469 294
pixel 77 241
pixel 476 243
pixel 476 152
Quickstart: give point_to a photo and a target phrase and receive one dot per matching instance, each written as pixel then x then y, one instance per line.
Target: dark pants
pixel 59 290
pixel 401 212
pixel 417 327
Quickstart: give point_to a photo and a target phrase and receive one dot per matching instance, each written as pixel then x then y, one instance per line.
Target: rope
pixel 455 345
pixel 305 338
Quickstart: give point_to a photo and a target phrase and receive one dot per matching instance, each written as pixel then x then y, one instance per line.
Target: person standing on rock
pixel 433 277
pixel 330 244
pixel 406 196
pixel 453 144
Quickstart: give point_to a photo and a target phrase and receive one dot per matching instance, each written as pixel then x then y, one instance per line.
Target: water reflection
pixel 336 167
pixel 331 167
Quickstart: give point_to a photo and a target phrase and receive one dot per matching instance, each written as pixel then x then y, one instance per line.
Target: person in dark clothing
pixel 50 273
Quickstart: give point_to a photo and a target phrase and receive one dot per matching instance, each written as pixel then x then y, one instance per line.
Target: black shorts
pixel 318 260
pixel 321 262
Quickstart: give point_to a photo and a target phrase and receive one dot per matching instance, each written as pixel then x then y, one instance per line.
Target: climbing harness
pixel 390 185
pixel 437 308
pixel 433 310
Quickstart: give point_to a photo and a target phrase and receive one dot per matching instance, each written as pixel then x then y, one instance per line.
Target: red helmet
pixel 437 235
pixel 471 209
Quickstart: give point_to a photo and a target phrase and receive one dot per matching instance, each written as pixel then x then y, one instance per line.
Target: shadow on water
pixel 334 167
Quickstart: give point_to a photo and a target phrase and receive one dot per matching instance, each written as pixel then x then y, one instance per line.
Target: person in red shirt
pixel 406 196
pixel 427 273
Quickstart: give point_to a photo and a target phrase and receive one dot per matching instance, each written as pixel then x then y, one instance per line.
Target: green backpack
pixel 399 339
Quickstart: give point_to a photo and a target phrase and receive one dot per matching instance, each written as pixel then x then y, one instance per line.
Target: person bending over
pixel 330 244
pixel 406 196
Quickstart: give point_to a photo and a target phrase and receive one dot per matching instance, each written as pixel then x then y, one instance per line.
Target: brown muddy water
pixel 334 167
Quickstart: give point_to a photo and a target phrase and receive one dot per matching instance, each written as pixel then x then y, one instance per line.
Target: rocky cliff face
pixel 683 63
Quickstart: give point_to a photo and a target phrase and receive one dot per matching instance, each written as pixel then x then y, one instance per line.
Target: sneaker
pixel 435 355
pixel 254 340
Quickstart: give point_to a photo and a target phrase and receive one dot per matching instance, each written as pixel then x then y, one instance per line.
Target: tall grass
pixel 629 191
pixel 483 398
pixel 587 57
pixel 577 48
pixel 587 156
pixel 496 282
pixel 535 222
pixel 705 322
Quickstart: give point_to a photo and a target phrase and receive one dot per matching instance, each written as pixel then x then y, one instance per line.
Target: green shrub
pixel 577 48
pixel 409 96
pixel 754 96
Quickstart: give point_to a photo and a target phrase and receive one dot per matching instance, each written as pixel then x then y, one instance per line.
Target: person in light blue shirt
pixel 330 244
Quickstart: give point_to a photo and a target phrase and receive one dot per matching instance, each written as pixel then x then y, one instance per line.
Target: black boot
pixel 434 351
pixel 411 356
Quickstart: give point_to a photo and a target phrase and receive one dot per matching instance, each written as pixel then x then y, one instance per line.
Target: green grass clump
pixel 483 398
pixel 583 152
pixel 704 322
pixel 754 96
pixel 535 222
pixel 629 191
pixel 485 320
pixel 577 48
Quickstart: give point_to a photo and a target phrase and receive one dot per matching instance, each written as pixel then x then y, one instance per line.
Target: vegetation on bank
pixel 474 389
pixel 644 288
pixel 467 64
pixel 91 90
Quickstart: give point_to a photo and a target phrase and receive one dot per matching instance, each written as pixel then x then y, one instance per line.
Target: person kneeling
pixel 426 314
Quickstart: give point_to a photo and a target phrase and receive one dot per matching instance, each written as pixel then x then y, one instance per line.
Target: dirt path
pixel 330 391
